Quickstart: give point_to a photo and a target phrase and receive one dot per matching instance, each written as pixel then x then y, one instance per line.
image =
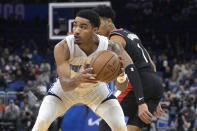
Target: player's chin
pixel 77 42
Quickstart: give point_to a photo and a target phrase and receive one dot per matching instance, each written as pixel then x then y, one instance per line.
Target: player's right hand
pixel 159 111
pixel 144 113
pixel 122 65
pixel 84 75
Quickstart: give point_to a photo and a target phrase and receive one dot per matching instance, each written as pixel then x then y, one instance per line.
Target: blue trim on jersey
pixel 111 88
pixel 52 86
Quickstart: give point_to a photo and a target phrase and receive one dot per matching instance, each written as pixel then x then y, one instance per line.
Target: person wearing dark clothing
pixel 141 98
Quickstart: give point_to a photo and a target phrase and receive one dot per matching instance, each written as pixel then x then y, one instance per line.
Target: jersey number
pixel 138 45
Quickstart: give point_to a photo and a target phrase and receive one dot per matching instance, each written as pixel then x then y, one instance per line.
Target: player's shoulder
pixel 64 43
pixel 122 31
pixel 69 38
pixel 101 37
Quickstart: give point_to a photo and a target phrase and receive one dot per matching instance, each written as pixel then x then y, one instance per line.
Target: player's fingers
pixel 159 107
pixel 145 118
pixel 149 114
pixel 88 70
pixel 122 63
pixel 84 64
pixel 160 111
pixel 122 72
pixel 89 76
pixel 90 80
pixel 156 114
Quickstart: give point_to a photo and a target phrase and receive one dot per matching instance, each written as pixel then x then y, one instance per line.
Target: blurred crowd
pixel 27 65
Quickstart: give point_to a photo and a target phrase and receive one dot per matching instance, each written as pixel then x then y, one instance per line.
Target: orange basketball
pixel 106 65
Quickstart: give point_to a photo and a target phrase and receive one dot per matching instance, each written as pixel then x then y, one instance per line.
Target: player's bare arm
pixel 118 49
pixel 62 55
pixel 122 80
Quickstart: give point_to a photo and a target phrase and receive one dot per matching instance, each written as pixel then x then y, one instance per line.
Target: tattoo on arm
pixel 115 47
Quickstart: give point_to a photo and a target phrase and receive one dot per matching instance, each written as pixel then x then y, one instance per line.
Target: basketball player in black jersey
pixel 140 100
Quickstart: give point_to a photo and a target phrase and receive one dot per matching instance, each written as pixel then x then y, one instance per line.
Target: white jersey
pixel 77 57
pixel 87 92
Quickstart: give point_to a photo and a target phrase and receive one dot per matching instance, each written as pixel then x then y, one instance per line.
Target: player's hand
pixel 122 65
pixel 84 75
pixel 159 111
pixel 144 114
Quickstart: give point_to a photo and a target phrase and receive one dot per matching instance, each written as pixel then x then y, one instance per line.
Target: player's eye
pixel 74 24
pixel 83 27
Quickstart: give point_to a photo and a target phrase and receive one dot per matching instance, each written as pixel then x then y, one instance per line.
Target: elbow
pixel 67 87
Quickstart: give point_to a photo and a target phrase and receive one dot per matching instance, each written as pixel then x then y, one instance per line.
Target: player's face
pixel 104 27
pixel 82 30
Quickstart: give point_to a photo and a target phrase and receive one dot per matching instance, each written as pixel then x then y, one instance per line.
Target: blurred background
pixel 29 29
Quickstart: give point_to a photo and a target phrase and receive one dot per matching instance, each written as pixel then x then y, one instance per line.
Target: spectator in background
pixel 2 81
pixel 2 110
pixel 45 67
pixel 36 57
pixel 12 113
pixel 194 85
pixel 44 77
pixel 14 58
pixel 185 118
pixel 30 90
pixel 27 119
pixel 27 55
pixel 177 73
pixel 41 89
pixel 173 108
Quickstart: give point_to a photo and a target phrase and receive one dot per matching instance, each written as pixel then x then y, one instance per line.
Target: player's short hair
pixel 91 15
pixel 105 11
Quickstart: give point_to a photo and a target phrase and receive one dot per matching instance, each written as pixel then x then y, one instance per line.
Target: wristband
pixel 140 101
pixel 122 79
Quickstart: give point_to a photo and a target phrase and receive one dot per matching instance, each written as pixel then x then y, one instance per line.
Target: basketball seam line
pixel 105 65
pixel 95 59
pixel 116 70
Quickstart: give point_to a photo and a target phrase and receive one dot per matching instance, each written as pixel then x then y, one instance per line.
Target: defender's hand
pixel 122 65
pixel 144 114
pixel 159 111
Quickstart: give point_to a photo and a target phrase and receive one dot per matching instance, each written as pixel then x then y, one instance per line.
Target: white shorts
pixel 90 96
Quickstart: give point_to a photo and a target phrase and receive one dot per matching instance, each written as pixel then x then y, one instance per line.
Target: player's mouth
pixel 77 37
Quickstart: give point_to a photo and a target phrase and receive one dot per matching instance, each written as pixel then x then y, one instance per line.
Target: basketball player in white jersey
pixel 75 84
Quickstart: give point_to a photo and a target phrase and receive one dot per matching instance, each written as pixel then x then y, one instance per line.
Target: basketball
pixel 106 65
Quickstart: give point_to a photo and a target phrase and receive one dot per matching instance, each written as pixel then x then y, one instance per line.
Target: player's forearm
pixel 135 81
pixel 68 84
pixel 118 49
pixel 115 47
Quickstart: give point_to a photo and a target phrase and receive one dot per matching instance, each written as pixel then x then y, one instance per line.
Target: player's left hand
pixel 122 65
pixel 159 111
pixel 144 113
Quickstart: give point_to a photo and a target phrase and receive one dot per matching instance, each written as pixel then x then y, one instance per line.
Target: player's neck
pixel 112 28
pixel 91 45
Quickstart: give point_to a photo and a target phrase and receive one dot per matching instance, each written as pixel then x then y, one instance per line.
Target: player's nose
pixel 98 32
pixel 76 30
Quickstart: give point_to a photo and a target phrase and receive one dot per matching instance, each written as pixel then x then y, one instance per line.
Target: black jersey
pixel 141 60
pixel 135 49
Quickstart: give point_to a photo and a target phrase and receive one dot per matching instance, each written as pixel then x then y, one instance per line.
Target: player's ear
pixel 95 29
pixel 109 20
